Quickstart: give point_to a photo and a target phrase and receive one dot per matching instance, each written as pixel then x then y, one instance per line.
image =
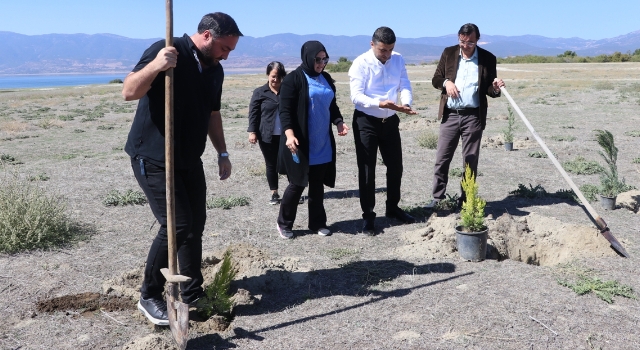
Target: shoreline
pixel 232 70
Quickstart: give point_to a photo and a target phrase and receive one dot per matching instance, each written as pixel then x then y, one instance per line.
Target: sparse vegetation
pixel 603 85
pixel 529 192
pixel 31 218
pixel 581 166
pixel 636 161
pixel 342 65
pixel 339 253
pixel 572 57
pixel 449 203
pixel 563 138
pixel 539 192
pixel 217 300
pixel 458 172
pixel 129 197
pixel 633 133
pixel 116 81
pixel 39 177
pixel 538 154
pixel 227 202
pixel 9 159
pixel 428 139
pixel 49 123
pixel 603 290
pixel 590 192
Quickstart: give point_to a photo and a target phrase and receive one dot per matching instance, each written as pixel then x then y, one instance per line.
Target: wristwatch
pixel 223 154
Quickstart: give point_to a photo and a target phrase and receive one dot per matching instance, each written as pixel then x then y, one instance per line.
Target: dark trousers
pixel 451 129
pixel 291 197
pixel 190 216
pixel 371 133
pixel 270 154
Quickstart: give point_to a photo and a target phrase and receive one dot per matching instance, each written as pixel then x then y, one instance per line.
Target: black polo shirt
pixel 196 95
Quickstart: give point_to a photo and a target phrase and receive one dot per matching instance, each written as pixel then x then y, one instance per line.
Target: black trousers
pixel 291 197
pixel 190 217
pixel 467 127
pixel 371 133
pixel 270 154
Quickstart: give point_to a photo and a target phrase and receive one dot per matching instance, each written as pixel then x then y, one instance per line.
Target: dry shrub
pixel 14 126
pixel 428 139
pixel 30 218
pixel 50 123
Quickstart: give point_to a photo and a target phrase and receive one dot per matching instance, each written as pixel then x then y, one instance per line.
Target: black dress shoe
pixel 401 215
pixel 368 228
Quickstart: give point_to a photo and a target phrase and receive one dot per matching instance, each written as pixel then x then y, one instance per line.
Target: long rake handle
pixel 601 224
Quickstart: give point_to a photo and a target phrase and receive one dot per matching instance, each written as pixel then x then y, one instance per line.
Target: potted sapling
pixel 610 183
pixel 507 132
pixel 471 234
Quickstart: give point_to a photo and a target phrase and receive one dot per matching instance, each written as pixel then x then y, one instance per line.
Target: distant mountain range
pixel 101 53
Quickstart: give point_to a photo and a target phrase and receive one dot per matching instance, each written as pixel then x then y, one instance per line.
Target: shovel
pixel 604 230
pixel 177 311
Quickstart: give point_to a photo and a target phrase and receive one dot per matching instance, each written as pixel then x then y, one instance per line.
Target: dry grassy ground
pixel 346 291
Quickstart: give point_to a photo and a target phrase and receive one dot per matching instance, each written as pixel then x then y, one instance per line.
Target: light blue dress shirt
pixel 467 83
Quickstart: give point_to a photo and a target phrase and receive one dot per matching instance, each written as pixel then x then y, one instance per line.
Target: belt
pixel 363 114
pixel 463 111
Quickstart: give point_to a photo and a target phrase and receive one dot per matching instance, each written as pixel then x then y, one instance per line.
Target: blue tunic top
pixel 320 97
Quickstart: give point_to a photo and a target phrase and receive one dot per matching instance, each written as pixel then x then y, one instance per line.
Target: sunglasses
pixel 323 60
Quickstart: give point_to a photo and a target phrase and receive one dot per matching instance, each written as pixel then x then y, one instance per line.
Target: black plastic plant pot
pixel 472 246
pixel 608 203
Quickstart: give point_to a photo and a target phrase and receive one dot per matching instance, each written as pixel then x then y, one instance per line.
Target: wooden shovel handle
pixel 555 162
pixel 168 147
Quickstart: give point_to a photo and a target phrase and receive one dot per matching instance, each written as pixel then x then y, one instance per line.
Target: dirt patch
pixel 540 240
pixel 629 200
pixel 419 124
pixel 86 302
pixel 532 239
pixel 150 342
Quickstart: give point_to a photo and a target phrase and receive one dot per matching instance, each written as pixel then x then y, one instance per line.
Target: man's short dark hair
pixel 279 67
pixel 219 24
pixel 384 35
pixel 468 29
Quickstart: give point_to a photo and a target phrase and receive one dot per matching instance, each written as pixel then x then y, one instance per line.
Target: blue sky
pixel 587 19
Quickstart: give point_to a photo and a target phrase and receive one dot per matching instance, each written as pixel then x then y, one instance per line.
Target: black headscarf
pixel 308 54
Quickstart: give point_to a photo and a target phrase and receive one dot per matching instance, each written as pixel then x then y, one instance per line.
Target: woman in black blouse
pixel 264 123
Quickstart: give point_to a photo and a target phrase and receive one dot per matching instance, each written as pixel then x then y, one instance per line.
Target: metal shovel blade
pixel 604 231
pixel 178 313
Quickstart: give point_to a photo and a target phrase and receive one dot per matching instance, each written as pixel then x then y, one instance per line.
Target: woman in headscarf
pixel 264 123
pixel 308 151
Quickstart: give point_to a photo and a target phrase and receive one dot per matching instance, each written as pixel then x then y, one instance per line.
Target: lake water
pixel 48 81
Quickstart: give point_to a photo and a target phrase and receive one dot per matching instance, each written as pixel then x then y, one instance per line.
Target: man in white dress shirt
pixel 376 77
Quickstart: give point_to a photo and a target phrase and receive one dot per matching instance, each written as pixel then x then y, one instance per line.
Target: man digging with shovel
pixel 198 79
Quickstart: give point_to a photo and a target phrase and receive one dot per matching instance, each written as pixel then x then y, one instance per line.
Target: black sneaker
pixel 301 201
pixel 275 199
pixel 155 310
